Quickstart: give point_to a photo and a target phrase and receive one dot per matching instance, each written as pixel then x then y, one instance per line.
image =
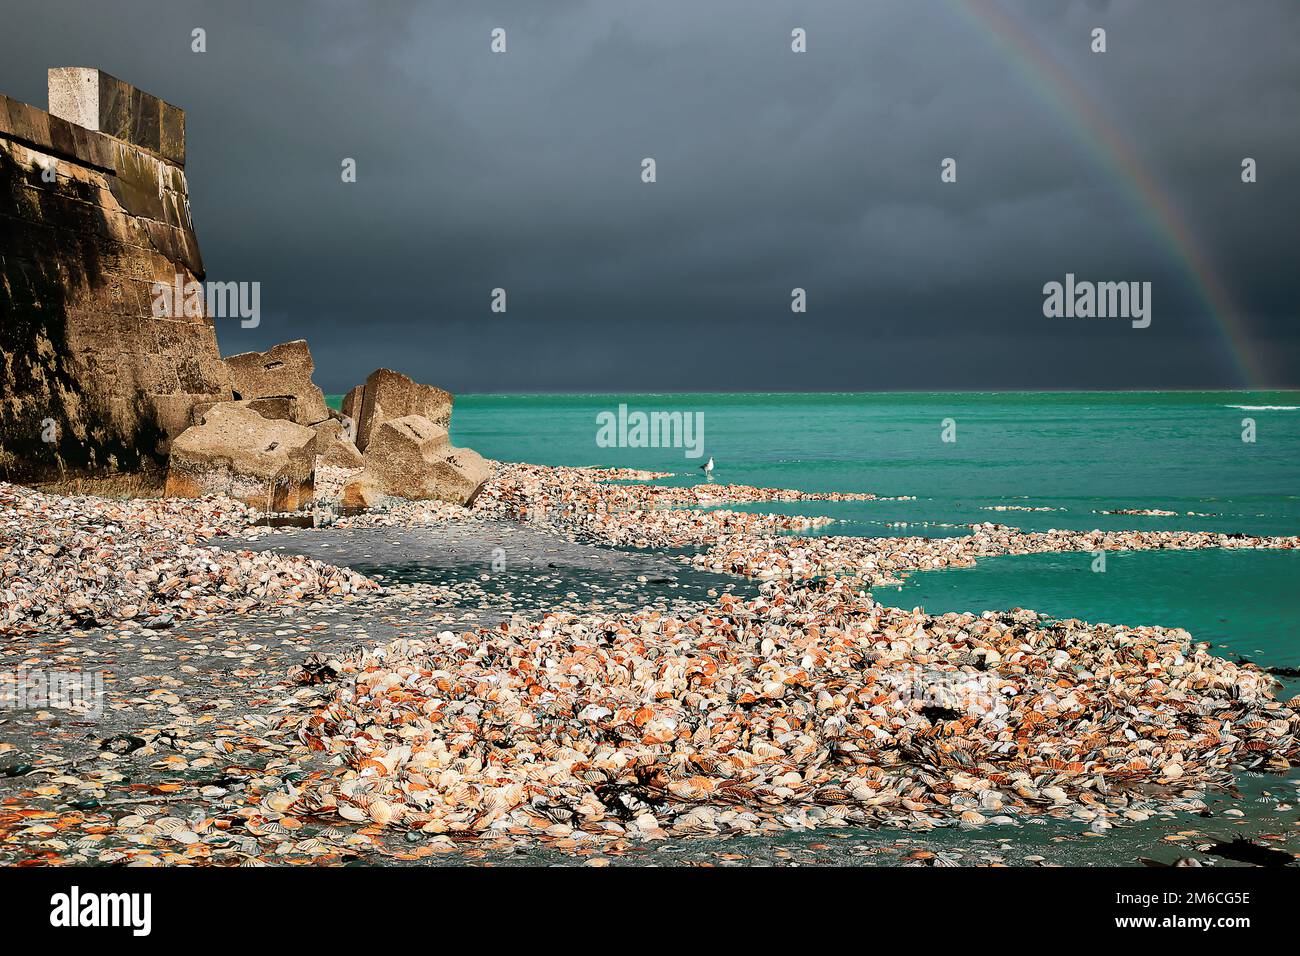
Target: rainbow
pixel 1090 125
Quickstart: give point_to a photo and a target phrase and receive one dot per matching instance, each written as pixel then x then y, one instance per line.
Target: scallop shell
pixel 351 812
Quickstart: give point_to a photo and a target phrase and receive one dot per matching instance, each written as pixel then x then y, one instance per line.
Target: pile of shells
pixel 805 707
pixel 681 528
pixel 84 561
pixel 1018 508
pixel 517 489
pixel 409 514
pixel 885 560
pixel 585 504
pixel 594 505
pixel 808 706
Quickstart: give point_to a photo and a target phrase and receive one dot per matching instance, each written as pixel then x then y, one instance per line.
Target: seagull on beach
pixel 707 468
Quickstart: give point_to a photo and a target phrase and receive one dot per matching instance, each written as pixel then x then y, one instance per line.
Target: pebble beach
pixel 689 676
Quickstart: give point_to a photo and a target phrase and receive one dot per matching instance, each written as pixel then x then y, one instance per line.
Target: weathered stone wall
pixel 94 210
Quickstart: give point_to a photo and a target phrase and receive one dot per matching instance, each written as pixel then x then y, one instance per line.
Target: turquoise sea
pixel 1077 453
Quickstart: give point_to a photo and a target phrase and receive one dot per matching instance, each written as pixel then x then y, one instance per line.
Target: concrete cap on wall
pixel 94 99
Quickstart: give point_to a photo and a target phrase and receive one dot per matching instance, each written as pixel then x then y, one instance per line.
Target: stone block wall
pixel 94 209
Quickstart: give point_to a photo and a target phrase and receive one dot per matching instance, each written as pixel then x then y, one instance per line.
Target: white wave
pixel 1266 408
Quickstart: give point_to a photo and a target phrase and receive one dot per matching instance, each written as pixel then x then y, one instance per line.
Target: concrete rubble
pixel 283 371
pixel 279 448
pixel 387 395
pixel 411 457
pixel 266 463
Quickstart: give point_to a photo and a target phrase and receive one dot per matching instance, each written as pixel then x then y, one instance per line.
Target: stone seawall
pixel 94 210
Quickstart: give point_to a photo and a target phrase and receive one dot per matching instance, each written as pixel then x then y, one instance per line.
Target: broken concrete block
pixel 388 395
pixel 333 448
pixel 411 457
pixel 280 407
pixel 284 370
pixel 363 491
pixel 266 463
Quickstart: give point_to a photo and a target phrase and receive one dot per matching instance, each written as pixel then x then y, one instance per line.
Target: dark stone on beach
pixel 1248 851
pixel 122 744
pixel 934 714
pixel 1287 672
pixel 315 669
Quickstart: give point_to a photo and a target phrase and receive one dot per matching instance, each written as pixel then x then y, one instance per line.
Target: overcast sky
pixel 776 170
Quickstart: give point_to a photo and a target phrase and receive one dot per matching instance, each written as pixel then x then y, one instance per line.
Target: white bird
pixel 707 468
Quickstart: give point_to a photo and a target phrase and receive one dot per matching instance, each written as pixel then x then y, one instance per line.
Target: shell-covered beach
pixel 653 670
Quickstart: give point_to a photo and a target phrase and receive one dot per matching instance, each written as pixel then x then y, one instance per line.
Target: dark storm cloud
pixel 775 170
